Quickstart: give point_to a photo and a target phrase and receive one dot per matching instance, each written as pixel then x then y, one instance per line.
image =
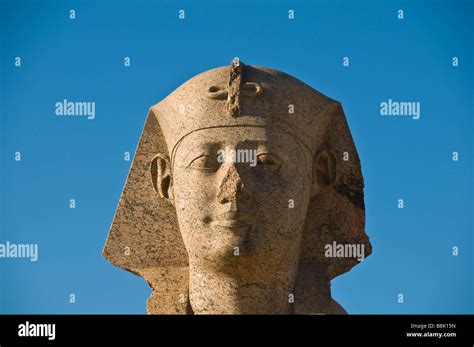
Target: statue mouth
pixel 232 223
pixel 236 221
pixel 234 229
pixel 235 218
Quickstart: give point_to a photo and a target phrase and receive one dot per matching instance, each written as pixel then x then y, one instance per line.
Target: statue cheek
pixel 193 186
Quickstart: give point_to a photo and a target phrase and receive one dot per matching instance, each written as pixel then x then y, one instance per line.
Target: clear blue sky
pixel 82 60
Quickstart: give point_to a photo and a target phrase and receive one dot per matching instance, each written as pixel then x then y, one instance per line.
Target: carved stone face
pixel 240 213
pixel 255 173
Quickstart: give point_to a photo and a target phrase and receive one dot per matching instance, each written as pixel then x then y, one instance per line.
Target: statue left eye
pixel 269 160
pixel 204 162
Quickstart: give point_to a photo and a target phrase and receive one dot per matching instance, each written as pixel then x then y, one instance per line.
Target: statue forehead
pixel 243 95
pixel 243 135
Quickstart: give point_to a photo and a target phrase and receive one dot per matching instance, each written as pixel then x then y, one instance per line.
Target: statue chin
pixel 234 198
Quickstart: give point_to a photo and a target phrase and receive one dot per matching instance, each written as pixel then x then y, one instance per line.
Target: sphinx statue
pixel 241 177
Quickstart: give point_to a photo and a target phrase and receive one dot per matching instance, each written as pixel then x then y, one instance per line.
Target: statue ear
pixel 161 176
pixel 336 211
pixel 324 171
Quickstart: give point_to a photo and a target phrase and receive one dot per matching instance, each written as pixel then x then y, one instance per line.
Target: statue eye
pixel 269 161
pixel 204 162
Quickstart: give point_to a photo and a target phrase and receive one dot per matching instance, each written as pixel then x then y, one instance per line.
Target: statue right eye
pixel 205 163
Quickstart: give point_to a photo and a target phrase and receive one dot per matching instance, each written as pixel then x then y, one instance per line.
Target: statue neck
pixel 248 291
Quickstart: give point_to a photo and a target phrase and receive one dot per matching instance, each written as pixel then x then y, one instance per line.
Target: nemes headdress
pixel 144 237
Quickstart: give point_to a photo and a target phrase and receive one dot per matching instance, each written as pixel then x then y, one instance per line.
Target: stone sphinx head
pixel 242 178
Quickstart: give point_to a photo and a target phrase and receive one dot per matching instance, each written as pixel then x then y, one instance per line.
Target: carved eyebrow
pixel 199 150
pixel 194 159
pixel 256 143
pixel 264 149
pixel 278 158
